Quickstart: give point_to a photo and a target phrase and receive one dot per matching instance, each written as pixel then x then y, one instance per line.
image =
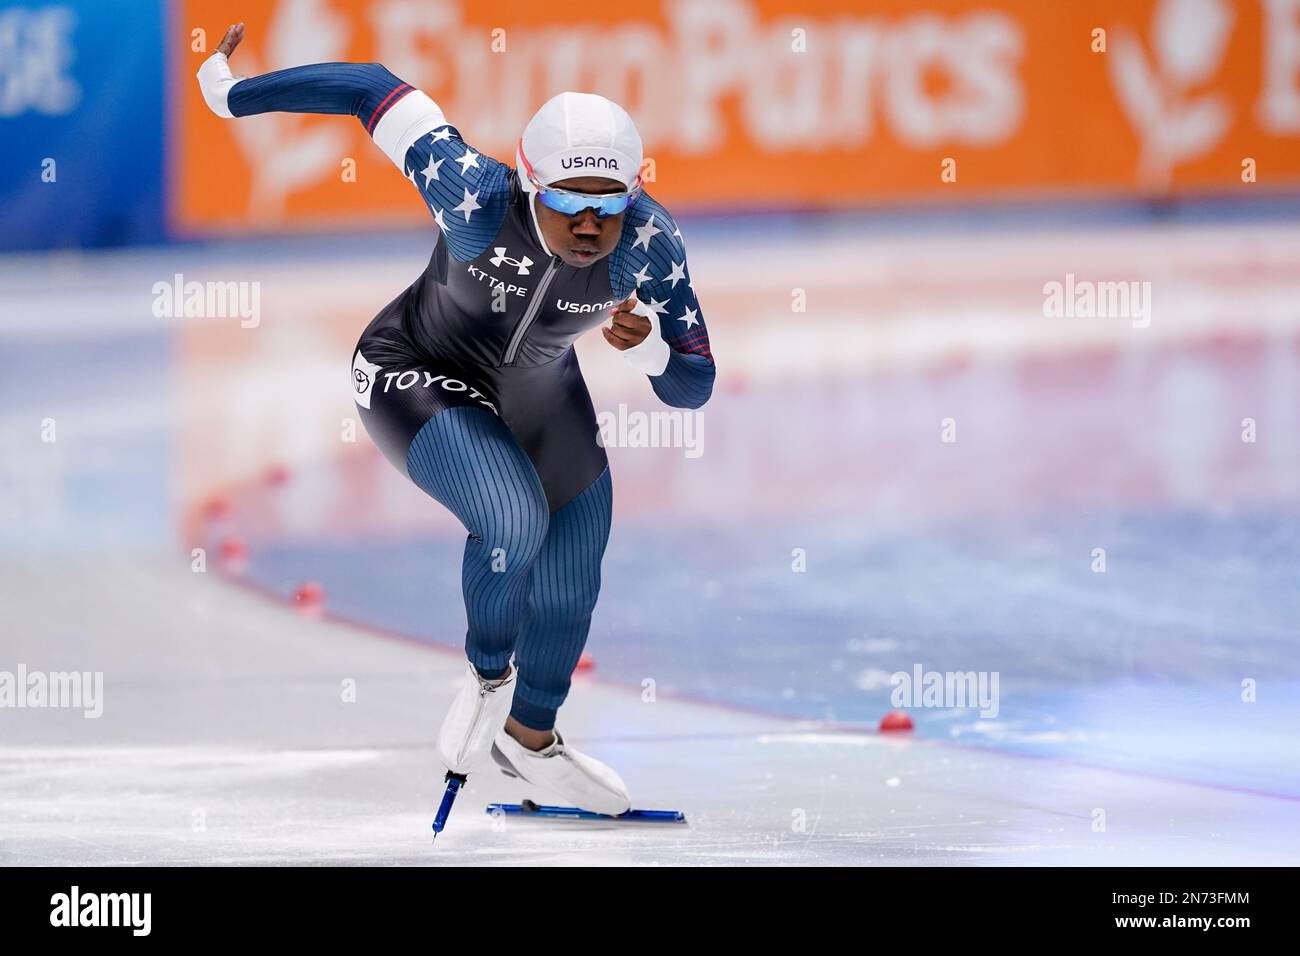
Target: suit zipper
pixel 517 336
pixel 478 710
pixel 483 692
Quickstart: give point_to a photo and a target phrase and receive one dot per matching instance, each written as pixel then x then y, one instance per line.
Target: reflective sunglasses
pixel 571 203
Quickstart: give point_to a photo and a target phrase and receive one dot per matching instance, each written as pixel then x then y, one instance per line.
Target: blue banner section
pixel 81 119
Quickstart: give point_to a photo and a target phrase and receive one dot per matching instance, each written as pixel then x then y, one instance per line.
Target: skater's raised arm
pixel 405 123
pixel 367 91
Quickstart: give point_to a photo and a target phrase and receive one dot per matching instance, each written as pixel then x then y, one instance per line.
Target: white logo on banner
pixel 1189 38
pixel 35 52
pixel 289 151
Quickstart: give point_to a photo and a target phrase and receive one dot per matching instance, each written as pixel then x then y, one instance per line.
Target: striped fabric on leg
pixel 566 583
pixel 467 459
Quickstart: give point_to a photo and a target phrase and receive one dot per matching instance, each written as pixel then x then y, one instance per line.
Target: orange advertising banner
pixel 751 104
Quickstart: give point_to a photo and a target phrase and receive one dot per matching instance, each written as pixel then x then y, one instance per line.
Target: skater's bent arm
pixel 675 353
pixel 687 380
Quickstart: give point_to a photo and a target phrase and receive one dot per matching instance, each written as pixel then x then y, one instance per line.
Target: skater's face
pixel 585 238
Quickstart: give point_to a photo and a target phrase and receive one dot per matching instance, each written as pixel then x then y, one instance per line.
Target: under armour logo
pixel 520 264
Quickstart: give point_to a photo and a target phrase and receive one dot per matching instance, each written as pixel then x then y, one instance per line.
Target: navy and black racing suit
pixel 468 380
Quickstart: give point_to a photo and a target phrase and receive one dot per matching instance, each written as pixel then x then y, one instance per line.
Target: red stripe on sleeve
pixel 383 107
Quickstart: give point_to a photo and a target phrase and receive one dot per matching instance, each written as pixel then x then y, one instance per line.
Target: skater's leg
pixel 467 459
pixel 440 424
pixel 565 585
pixel 562 445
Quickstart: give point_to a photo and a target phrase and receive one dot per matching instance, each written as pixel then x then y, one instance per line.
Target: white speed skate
pixel 476 715
pixel 581 780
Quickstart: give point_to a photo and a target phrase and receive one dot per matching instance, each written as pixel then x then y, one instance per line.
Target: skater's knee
pixel 511 532
pixel 467 459
pixel 572 602
pixel 456 445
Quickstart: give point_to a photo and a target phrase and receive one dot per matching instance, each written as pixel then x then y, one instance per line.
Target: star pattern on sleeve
pixel 468 204
pixel 663 283
pixel 645 233
pixel 469 159
pixel 677 274
pixel 430 172
pixel 466 191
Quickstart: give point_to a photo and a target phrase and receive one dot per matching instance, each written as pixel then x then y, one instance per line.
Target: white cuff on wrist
pixel 650 356
pixel 215 80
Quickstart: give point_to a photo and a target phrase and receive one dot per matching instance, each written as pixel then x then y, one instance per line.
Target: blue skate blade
pixel 575 813
pixel 454 783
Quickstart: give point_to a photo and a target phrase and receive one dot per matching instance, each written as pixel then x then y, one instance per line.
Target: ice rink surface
pixel 1121 737
pixel 225 741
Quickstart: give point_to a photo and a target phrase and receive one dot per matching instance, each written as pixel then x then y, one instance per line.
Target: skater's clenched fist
pixel 628 328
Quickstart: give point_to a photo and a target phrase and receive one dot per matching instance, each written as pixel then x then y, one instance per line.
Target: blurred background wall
pixel 744 104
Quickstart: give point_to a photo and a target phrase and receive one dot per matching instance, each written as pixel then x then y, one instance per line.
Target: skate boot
pixel 581 780
pixel 476 715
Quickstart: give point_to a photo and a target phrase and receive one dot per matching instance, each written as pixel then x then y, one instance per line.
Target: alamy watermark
pixel 179 299
pixel 70 690
pixel 128 910
pixel 680 428
pixel 1085 299
pixel 946 689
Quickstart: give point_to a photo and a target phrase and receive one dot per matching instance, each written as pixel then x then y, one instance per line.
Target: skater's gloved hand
pixel 629 328
pixel 635 332
pixel 215 78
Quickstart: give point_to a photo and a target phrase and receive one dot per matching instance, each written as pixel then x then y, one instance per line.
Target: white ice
pixel 225 739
